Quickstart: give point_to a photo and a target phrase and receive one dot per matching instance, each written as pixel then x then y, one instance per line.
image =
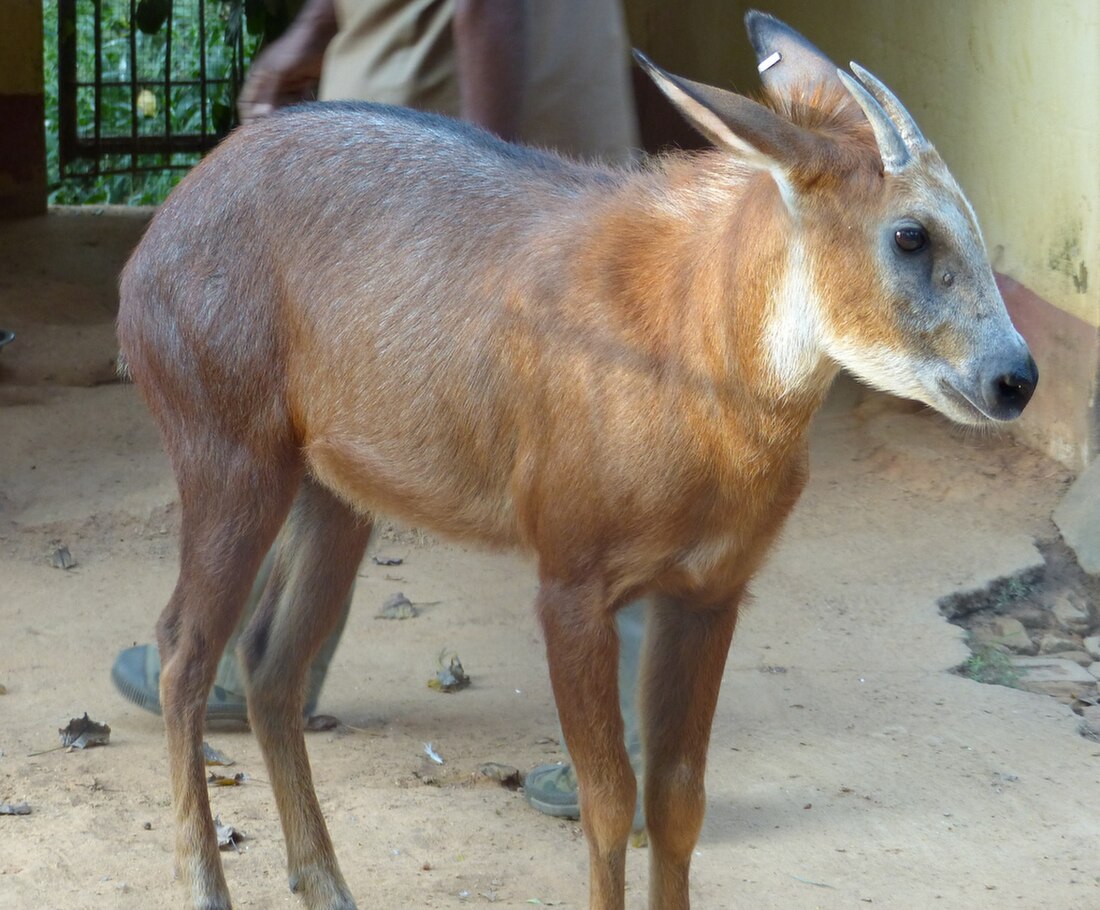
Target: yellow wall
pixel 21 47
pixel 1007 90
pixel 23 155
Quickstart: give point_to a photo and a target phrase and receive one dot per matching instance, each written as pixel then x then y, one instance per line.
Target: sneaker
pixel 136 675
pixel 552 790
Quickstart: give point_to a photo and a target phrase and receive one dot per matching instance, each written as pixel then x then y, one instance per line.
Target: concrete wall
pixel 1009 92
pixel 22 112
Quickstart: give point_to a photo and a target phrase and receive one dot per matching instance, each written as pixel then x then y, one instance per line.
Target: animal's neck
pixel 718 287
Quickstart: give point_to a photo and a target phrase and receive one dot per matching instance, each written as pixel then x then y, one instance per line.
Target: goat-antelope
pixel 349 308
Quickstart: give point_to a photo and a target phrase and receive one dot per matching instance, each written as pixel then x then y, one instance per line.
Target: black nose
pixel 1009 393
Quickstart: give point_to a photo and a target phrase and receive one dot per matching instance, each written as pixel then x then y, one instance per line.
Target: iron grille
pixel 133 100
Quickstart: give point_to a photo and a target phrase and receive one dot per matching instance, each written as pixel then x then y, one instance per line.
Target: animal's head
pixel 887 273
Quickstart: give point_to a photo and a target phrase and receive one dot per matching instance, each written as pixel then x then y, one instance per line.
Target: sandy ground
pixel 849 767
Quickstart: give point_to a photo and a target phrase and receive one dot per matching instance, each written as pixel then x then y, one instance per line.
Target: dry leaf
pixel 212 756
pixel 449 678
pixel 318 723
pixel 62 558
pixel 398 606
pixel 220 780
pixel 83 733
pixel 228 836
pixel 507 776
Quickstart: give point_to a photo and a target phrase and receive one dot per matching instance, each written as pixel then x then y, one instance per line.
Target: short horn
pixel 891 146
pixel 901 118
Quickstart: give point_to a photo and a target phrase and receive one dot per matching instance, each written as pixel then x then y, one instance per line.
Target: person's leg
pixel 552 789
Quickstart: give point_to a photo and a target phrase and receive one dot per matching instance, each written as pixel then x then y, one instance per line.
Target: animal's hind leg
pixel 317 556
pixel 226 528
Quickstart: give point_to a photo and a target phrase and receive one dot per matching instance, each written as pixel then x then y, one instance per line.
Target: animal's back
pixel 345 235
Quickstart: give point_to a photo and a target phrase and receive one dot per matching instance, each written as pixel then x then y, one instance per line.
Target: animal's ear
pixel 760 136
pixel 785 59
pixel 791 68
pixel 789 65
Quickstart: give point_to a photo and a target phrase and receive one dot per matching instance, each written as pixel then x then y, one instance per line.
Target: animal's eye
pixel 911 239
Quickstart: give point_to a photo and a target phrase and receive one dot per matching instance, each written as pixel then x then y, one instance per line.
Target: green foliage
pixel 261 21
pixel 991 665
pixel 1013 590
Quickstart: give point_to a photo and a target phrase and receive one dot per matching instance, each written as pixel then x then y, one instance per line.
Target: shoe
pixel 136 675
pixel 552 790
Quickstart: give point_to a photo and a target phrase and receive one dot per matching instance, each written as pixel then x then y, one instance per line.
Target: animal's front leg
pixel 686 653
pixel 582 647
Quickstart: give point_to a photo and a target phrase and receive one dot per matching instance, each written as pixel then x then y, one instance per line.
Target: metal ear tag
pixel 768 62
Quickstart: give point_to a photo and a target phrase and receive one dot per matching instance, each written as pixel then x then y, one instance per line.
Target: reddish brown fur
pixel 501 346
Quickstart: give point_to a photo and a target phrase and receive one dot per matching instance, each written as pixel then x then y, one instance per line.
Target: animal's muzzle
pixel 1007 393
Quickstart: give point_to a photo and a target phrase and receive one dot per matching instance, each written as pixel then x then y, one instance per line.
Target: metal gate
pixel 146 85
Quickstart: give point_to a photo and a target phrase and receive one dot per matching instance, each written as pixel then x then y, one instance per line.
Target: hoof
pixel 208 891
pixel 321 889
pixel 210 898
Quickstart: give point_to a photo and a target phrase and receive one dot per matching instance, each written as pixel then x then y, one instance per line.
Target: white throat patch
pixel 793 329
